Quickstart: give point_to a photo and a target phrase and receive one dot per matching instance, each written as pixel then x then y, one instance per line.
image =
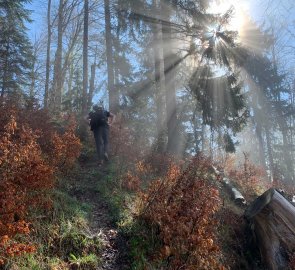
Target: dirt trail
pixel 115 251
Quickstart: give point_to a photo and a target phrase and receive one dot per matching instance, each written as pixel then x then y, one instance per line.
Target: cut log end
pixel 259 203
pixel 272 219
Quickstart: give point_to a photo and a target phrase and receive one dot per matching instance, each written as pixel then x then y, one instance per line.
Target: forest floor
pixel 114 253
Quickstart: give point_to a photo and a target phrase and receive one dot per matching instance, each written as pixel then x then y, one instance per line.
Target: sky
pixel 260 11
pixel 39 7
pixel 38 14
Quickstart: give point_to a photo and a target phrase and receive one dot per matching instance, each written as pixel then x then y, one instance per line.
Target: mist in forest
pixel 147 134
pixel 185 76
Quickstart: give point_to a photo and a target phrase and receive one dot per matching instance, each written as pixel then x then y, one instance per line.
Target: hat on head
pixel 97 107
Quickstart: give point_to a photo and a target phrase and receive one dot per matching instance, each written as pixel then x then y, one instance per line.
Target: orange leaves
pixel 22 172
pixel 8 230
pixel 131 182
pixel 182 205
pixel 9 247
pixel 28 161
pixel 13 249
pixel 65 148
pixel 142 168
pixel 252 180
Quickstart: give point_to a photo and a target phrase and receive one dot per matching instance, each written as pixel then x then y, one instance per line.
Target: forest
pixel 191 164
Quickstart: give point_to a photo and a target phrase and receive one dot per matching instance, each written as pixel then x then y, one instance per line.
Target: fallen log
pixel 272 220
pixel 234 192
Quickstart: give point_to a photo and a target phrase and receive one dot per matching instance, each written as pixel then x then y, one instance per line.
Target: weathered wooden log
pixel 234 192
pixel 272 219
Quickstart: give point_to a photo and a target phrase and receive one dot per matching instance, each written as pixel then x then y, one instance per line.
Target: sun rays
pixel 183 42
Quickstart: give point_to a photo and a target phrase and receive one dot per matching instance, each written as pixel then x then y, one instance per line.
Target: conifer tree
pixel 15 47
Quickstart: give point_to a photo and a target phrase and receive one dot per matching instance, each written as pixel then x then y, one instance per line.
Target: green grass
pixel 122 203
pixel 87 262
pixel 61 233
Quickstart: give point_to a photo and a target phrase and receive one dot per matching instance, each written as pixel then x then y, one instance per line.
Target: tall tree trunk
pixel 57 79
pixel 49 33
pixel 269 152
pixel 91 85
pixel 286 149
pixel 4 79
pixel 203 137
pixel 258 131
pixel 70 85
pixel 195 130
pixel 159 82
pixel 85 57
pixel 282 121
pixel 92 80
pixel 33 78
pixel 174 140
pixel 113 95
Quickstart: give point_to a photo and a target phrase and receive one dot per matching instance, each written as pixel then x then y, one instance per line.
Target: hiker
pixel 99 124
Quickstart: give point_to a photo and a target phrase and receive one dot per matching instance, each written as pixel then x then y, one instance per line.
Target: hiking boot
pixel 106 157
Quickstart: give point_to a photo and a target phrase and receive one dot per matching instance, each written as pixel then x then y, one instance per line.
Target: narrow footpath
pixel 115 250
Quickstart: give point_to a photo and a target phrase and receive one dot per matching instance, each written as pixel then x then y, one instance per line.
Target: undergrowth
pixel 170 221
pixel 178 218
pixel 62 237
pixel 41 225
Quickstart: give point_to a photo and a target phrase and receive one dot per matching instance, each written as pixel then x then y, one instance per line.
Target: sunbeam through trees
pixel 165 110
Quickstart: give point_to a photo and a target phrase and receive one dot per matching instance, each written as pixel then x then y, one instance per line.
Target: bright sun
pixel 240 8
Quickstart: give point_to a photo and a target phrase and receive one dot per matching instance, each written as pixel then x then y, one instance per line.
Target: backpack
pixel 98 118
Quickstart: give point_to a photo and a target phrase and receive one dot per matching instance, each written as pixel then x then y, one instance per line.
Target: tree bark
pixel 113 95
pixel 258 132
pixel 49 33
pixel 57 80
pixel 91 85
pixel 203 137
pixel 174 140
pixel 159 82
pixel 33 75
pixel 92 80
pixel 272 219
pixel 4 79
pixel 282 121
pixel 85 57
pixel 70 86
pixel 269 151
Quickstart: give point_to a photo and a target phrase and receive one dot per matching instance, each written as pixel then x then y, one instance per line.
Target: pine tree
pixel 215 82
pixel 15 47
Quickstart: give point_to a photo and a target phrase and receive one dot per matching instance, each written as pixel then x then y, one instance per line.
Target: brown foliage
pixel 251 179
pixel 131 182
pixel 182 205
pixel 66 147
pixel 29 157
pixel 24 177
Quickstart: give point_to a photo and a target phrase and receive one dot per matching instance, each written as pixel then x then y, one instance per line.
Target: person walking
pixel 99 121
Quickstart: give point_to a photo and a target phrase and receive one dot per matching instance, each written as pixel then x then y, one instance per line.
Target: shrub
pixel 25 176
pixel 31 153
pixel 66 147
pixel 251 179
pixel 182 206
